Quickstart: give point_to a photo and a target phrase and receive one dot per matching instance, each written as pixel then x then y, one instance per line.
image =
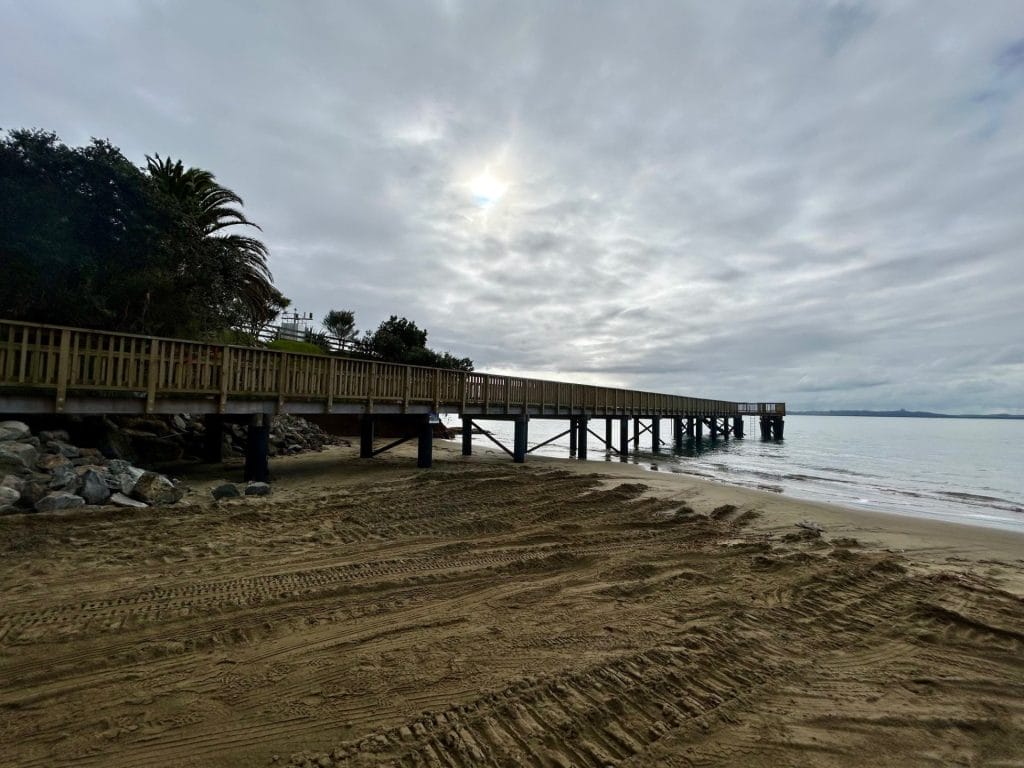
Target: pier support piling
pixel 636 435
pixel 257 467
pixel 623 439
pixel 737 426
pixel 677 434
pixel 366 437
pixel 573 435
pixel 467 436
pixel 519 450
pixel 581 440
pixel 425 448
pixel 213 438
pixel 608 435
pixel 656 435
pixel 699 429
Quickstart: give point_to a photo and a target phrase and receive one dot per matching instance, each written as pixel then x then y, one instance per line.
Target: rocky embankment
pixel 45 470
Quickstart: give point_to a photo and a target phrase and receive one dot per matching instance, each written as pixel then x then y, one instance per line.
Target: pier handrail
pixel 60 360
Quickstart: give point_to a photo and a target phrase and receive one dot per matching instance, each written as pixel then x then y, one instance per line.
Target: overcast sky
pixel 821 202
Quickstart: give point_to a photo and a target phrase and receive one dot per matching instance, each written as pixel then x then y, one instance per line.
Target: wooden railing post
pixel 63 369
pixel 371 387
pixel 437 390
pixel 332 379
pixel 225 378
pixel 406 389
pixel 153 375
pixel 282 381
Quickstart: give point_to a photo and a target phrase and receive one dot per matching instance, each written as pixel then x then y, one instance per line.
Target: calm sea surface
pixel 966 470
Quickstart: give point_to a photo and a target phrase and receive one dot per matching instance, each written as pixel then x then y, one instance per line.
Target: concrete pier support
pixel 636 435
pixel 520 440
pixel 608 435
pixel 366 437
pixel 573 435
pixel 623 439
pixel 713 423
pixel 213 438
pixel 725 427
pixel 467 436
pixel 425 448
pixel 737 426
pixel 656 435
pixel 689 427
pixel 581 439
pixel 677 434
pixel 257 466
pixel 698 429
pixel 772 427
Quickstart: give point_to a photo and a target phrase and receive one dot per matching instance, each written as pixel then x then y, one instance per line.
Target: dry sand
pixel 482 613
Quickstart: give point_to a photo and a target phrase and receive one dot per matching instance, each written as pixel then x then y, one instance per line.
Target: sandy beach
pixel 557 613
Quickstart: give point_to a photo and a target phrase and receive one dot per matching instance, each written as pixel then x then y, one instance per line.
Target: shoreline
pixel 904 529
pixel 658 464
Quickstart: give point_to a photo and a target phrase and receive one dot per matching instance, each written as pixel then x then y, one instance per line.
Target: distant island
pixel 902 412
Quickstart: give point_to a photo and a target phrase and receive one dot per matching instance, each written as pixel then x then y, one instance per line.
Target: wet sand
pixel 481 613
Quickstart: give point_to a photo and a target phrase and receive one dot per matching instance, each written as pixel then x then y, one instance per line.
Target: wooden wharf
pixel 46 369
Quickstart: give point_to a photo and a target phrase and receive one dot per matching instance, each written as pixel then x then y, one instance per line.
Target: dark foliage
pixel 398 340
pixel 89 239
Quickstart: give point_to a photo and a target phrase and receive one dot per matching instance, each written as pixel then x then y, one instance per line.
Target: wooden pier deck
pixel 53 369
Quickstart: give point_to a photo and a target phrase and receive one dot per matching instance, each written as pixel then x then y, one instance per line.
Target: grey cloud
pixel 817 202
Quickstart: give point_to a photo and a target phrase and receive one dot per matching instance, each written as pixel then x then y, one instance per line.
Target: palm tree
pixel 211 209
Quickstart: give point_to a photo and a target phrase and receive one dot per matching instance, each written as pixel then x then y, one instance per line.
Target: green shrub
pixel 285 345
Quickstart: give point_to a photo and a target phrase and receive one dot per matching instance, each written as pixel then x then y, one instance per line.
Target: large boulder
pixel 122 476
pixel 64 478
pixel 18 458
pixel 8 499
pixel 120 500
pixel 13 481
pixel 49 462
pixel 14 430
pixel 52 502
pixel 156 489
pixel 94 487
pixel 64 449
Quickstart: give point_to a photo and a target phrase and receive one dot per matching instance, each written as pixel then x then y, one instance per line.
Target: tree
pixel 341 324
pixel 399 340
pixel 239 260
pixel 90 239
pixel 86 239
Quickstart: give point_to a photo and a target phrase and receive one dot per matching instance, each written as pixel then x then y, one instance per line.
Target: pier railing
pixel 57 363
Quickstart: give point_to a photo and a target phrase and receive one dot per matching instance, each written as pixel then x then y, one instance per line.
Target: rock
pixel 156 489
pixel 8 498
pixel 122 476
pixel 49 462
pixel 810 525
pixel 179 422
pixel 51 502
pixel 33 491
pixel 13 481
pixel 17 457
pixel 123 501
pixel 64 449
pixel 94 487
pixel 257 489
pixel 14 430
pixel 64 478
pixel 226 491
pixel 60 435
pixel 93 454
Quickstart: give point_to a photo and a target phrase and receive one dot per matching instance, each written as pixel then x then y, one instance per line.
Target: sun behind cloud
pixel 487 189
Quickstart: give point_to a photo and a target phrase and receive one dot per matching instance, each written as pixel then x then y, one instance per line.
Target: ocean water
pixel 964 470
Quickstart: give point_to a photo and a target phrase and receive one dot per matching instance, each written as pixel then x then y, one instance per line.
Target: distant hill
pixel 903 413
